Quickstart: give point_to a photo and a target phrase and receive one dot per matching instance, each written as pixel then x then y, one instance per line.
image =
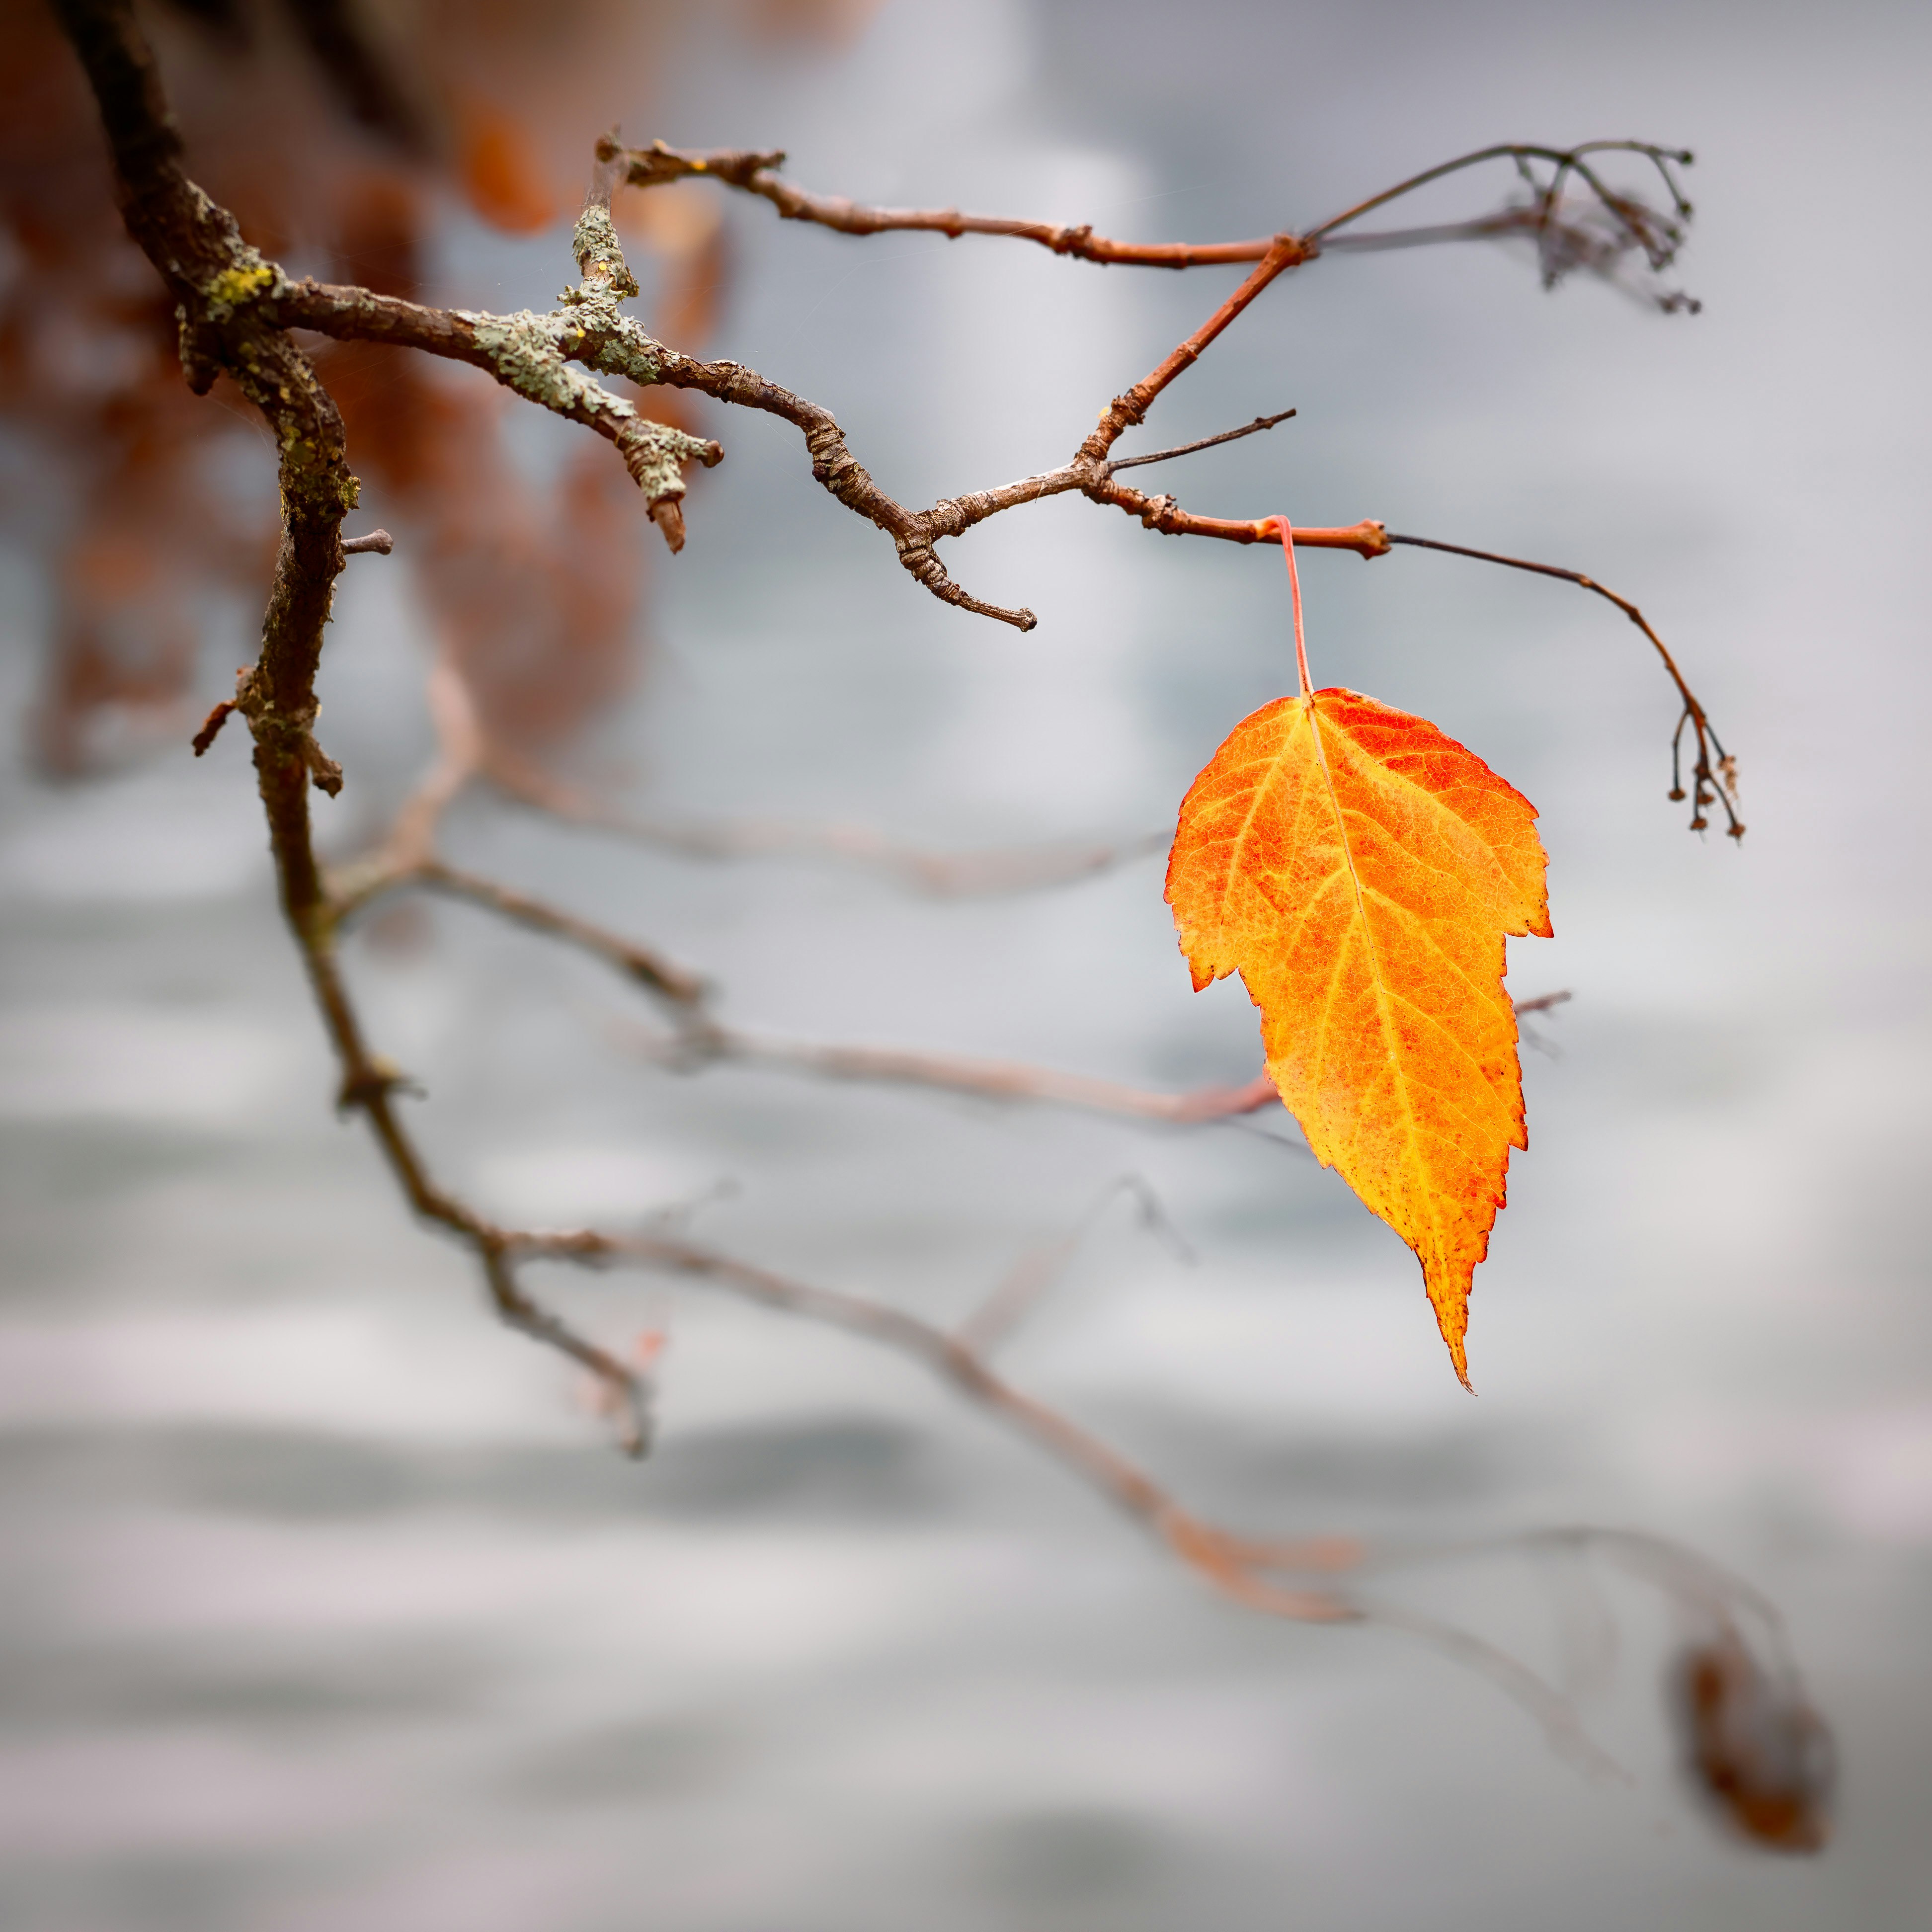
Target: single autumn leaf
pixel 1361 871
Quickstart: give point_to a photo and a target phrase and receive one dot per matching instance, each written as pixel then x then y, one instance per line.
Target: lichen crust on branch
pixel 536 356
pixel 600 257
pixel 530 353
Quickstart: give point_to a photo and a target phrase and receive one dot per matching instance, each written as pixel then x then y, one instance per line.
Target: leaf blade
pixel 1361 871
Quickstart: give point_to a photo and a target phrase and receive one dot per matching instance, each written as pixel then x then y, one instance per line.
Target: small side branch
pixel 752 172
pixel 995 871
pixel 1036 1271
pixel 1562 243
pixel 1713 783
pixel 629 1391
pixel 1610 227
pixel 1121 463
pixel 1567 160
pixel 666 981
pixel 1001 1080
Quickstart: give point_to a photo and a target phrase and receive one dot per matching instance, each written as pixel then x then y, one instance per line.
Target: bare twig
pixel 1543 1002
pixel 631 1393
pixel 755 173
pixel 1634 225
pixel 1121 463
pixel 1715 784
pixel 1002 1080
pixel 1035 1271
pixel 657 975
pixel 1566 160
pixel 1232 1562
pixel 379 541
pixel 997 870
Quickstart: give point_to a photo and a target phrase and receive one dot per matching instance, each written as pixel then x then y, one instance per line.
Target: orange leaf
pixel 502 171
pixel 1359 870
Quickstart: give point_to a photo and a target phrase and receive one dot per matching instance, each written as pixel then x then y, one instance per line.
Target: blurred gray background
pixel 326 1603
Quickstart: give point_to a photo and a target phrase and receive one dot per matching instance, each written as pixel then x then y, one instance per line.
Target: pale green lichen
pixel 626 350
pixel 530 351
pixel 654 453
pixel 600 258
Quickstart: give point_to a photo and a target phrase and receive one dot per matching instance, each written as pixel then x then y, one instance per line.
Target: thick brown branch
pixel 218 282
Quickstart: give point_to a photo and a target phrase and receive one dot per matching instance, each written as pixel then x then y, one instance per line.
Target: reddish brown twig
pixel 754 173
pixel 1561 243
pixel 1713 784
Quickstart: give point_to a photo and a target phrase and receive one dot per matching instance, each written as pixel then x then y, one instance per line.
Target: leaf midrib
pixel 1312 714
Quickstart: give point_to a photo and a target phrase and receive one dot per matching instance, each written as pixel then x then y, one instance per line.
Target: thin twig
pixel 517 1311
pixel 657 975
pixel 1567 159
pixel 754 172
pixel 1019 1291
pixel 1543 1002
pixel 1714 784
pixel 1000 1080
pixel 996 870
pixel 1121 463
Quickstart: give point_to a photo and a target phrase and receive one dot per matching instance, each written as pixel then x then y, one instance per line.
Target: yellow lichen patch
pixel 235 285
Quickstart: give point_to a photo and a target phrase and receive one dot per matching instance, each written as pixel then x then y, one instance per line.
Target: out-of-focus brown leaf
pixel 502 172
pixel 1754 1747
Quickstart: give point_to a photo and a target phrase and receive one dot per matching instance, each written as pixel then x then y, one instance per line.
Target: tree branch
pixel 234 309
pixel 755 173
